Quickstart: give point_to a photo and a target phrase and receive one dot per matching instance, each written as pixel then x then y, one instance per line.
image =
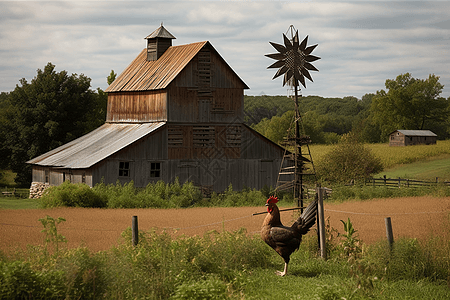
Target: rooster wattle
pixel 285 240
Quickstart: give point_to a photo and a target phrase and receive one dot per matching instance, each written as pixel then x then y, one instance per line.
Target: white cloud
pixel 361 43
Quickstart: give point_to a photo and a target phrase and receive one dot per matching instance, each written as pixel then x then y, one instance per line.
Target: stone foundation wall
pixel 37 189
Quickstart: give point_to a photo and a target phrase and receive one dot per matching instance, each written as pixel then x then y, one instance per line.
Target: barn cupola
pixel 158 42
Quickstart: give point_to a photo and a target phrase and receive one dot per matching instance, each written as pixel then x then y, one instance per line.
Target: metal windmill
pixel 294 61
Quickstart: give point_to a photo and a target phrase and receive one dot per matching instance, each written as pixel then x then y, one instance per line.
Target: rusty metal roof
pixel 143 75
pixel 95 146
pixel 415 132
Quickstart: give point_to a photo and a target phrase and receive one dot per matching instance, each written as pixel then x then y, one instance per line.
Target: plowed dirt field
pixel 100 229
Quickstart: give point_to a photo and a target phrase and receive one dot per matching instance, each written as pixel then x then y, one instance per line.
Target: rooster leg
pixel 285 270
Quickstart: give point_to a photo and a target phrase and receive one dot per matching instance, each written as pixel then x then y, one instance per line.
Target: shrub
pixel 154 195
pixel 231 198
pixel 71 195
pixel 347 161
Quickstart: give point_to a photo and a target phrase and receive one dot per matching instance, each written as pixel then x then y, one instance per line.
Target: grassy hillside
pixel 424 162
pixel 429 169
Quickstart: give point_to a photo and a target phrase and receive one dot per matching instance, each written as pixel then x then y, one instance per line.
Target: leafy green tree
pixel 348 160
pixel 53 109
pixel 409 103
pixel 112 76
pixel 276 128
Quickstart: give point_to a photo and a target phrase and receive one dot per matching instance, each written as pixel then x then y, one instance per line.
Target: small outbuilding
pixel 174 112
pixel 412 137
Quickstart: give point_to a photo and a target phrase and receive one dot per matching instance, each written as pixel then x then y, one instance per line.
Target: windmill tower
pixel 294 62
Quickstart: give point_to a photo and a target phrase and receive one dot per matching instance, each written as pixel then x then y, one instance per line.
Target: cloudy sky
pixel 361 44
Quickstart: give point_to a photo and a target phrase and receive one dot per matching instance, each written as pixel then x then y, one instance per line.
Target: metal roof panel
pixel 416 132
pixel 95 146
pixel 143 75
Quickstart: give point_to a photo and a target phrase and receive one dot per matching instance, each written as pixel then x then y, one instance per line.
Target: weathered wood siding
pixel 54 176
pixel 255 146
pixel 206 91
pixel 148 106
pixel 139 156
pixel 218 174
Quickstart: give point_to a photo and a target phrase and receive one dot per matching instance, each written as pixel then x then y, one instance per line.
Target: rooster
pixel 285 240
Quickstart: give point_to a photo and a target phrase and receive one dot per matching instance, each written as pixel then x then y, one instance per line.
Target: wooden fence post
pixel 389 235
pixel 321 223
pixel 135 231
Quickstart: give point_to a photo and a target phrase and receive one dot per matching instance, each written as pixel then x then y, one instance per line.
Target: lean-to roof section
pixel 95 146
pixel 143 75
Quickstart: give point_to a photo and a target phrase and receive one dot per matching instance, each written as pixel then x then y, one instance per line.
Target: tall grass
pixel 391 156
pixel 229 265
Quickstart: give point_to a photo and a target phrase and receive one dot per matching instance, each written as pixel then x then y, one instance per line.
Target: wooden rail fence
pixel 402 182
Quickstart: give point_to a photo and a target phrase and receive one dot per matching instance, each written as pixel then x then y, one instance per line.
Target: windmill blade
pixel 288 76
pixel 280 71
pixel 278 47
pixel 277 64
pixel 309 66
pixel 287 42
pixel 303 44
pixel 309 49
pixel 306 74
pixel 311 58
pixel 277 56
pixel 302 81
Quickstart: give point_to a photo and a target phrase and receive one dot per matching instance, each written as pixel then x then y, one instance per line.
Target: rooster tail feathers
pixel 308 217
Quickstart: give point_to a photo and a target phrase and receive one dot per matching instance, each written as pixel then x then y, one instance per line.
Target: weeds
pixel 51 232
pixel 350 245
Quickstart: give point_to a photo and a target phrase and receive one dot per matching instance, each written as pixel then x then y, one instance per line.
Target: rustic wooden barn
pixel 175 111
pixel 411 137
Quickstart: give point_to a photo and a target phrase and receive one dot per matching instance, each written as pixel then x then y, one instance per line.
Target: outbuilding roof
pixel 415 132
pixel 143 75
pixel 95 146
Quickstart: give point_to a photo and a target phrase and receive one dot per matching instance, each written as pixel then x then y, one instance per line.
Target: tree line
pixel 407 103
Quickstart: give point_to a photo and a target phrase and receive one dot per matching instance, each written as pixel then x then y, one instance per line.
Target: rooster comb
pixel 272 199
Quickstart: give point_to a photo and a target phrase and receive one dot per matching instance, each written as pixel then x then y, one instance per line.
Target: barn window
pixel 47 173
pixel 124 169
pixel 155 169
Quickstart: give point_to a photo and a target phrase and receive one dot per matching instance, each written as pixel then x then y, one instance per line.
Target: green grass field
pixel 18 203
pixel 427 170
pixel 424 162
